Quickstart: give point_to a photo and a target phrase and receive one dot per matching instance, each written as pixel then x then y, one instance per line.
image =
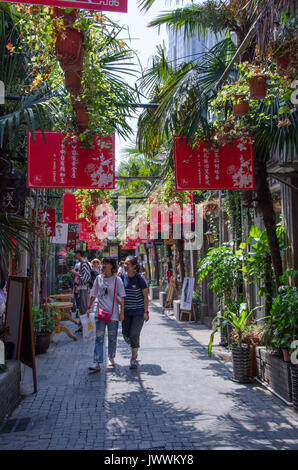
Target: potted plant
pixel 44 322
pixel 252 336
pixel 73 82
pixel 68 15
pixel 256 76
pixel 240 351
pixel 69 49
pixel 8 345
pixel 282 329
pixel 284 46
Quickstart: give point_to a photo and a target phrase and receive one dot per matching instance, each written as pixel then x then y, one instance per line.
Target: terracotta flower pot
pixel 73 82
pixel 282 60
pixel 82 115
pixel 69 49
pixel 68 18
pixel 285 353
pixel 258 87
pixel 241 106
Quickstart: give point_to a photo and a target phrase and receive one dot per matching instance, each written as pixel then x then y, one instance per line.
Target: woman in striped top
pixel 135 306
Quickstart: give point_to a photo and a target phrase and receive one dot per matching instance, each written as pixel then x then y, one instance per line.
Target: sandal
pixel 133 364
pixel 94 368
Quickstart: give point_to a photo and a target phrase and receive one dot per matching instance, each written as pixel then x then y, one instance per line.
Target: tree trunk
pixel 265 203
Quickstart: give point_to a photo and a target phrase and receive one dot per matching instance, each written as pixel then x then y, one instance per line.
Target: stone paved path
pixel 177 399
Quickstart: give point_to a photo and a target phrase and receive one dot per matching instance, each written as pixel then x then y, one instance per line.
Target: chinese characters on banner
pixel 227 167
pixel 64 164
pixel 102 5
pixel 71 240
pixel 47 221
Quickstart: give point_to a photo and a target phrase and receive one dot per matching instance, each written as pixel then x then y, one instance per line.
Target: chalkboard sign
pixel 18 317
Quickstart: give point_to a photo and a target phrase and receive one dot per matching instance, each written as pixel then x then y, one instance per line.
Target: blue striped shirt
pixel 134 299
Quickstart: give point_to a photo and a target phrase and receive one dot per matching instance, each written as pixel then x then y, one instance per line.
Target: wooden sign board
pixel 18 317
pixel 170 294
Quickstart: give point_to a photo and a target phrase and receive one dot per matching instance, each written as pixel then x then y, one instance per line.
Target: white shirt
pixel 103 290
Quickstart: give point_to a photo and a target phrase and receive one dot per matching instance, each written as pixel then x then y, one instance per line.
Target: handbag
pixel 103 315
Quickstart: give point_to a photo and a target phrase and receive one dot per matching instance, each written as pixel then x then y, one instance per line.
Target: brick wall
pixel 9 388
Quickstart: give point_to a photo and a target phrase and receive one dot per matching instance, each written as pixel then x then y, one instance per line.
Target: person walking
pixel 121 268
pixel 95 263
pixel 84 283
pixel 135 306
pixel 75 290
pixel 109 291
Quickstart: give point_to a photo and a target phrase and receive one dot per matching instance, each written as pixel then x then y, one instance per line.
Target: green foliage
pixel 37 108
pixel 224 268
pixel 44 321
pixel 107 62
pixel 257 261
pixel 13 237
pixel 282 327
pixel 238 321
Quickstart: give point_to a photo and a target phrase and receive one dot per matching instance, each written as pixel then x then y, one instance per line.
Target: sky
pixel 143 39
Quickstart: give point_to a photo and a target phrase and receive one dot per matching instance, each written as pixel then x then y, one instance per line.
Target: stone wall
pixel 9 388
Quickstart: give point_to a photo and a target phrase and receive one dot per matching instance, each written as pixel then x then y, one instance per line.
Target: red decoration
pixel 85 231
pixel 102 5
pixel 228 167
pixel 71 240
pixel 60 164
pixel 47 221
pixel 71 210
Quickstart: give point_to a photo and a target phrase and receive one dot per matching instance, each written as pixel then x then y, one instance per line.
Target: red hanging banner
pixel 85 231
pixel 225 168
pixel 101 5
pixel 47 221
pixel 71 240
pixel 71 210
pixel 64 164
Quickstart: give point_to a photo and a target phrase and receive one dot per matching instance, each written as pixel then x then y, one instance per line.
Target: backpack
pixel 93 276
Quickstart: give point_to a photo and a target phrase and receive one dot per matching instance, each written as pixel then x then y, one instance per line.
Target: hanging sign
pixel 60 163
pixel 71 240
pixel 225 168
pixel 61 234
pixel 101 5
pixel 85 231
pixel 70 209
pixel 47 220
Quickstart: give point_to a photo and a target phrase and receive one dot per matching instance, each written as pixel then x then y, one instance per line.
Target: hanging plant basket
pixel 294 375
pixel 282 60
pixel 241 364
pixel 73 82
pixel 258 87
pixel 68 17
pixel 69 49
pixel 241 105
